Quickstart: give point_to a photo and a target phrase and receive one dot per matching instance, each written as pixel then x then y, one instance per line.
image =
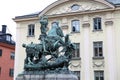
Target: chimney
pixel 4 28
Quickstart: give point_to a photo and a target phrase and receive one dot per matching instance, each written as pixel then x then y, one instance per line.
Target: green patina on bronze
pixel 46 55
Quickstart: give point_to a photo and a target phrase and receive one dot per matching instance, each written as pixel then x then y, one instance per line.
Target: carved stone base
pixel 48 77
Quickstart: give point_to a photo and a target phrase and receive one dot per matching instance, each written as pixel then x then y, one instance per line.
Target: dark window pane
pixel 101 78
pixel 12 55
pixel 100 51
pixel 96 51
pixel 73 29
pixel 99 75
pixel 0 70
pixel 95 27
pixel 76 53
pixel 99 25
pixel 0 52
pixel 31 29
pixel 11 72
pixel 97 78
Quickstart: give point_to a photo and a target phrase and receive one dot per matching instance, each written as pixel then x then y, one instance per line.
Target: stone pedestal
pixel 48 77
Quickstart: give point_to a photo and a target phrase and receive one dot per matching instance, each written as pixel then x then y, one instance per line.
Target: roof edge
pixel 27 16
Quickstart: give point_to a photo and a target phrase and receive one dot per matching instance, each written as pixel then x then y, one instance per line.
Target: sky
pixel 11 8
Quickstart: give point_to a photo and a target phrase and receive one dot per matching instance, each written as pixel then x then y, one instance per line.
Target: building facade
pixel 94 28
pixel 7 54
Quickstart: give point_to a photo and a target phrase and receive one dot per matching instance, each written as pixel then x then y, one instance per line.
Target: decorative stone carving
pixel 75 65
pixel 84 6
pixel 98 63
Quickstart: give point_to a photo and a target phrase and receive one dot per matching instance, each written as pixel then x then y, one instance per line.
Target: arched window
pixel 75 26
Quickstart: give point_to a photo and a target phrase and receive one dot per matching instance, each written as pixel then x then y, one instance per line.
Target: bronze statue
pixel 44 23
pixel 50 43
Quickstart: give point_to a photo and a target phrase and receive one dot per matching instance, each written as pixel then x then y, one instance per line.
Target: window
pixel 0 52
pixel 31 30
pixel 97 23
pixel 98 49
pixel 75 26
pixel 76 53
pixel 55 24
pixel 11 72
pixel 8 37
pixel 78 74
pixel 99 75
pixel 75 7
pixel 12 55
pixel 0 70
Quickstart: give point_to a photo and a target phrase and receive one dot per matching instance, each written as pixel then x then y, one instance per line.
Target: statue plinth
pixel 48 77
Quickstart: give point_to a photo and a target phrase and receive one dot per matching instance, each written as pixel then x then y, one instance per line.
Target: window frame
pixel 97 24
pixel 75 7
pixel 99 75
pixel 0 52
pixel 12 55
pixel 31 30
pixel 8 37
pixel 76 53
pixel 11 72
pixel 75 25
pixel 96 48
pixel 0 70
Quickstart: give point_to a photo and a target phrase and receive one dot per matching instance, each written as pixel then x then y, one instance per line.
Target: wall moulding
pixel 86 25
pixel 76 65
pixel 108 23
pixel 64 26
pixel 98 63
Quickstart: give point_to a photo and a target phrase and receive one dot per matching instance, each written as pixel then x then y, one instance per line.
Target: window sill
pixel 76 58
pixel 97 30
pixel 30 35
pixel 95 58
pixel 74 32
